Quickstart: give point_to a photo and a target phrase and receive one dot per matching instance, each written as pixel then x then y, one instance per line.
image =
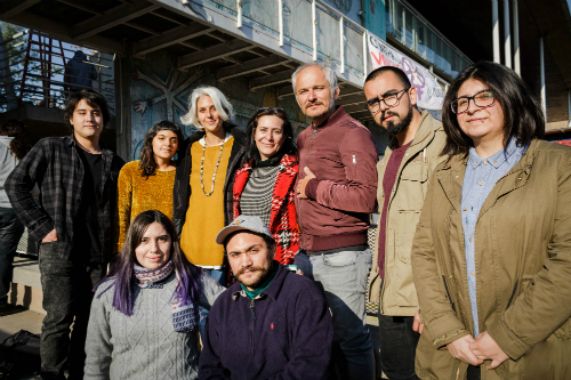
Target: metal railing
pixel 32 69
pixel 311 27
pixel 321 33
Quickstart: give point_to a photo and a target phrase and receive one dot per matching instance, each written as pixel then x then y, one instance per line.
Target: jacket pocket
pixel 447 280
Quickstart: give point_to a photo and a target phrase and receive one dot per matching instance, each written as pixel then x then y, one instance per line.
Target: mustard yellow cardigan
pixel 136 194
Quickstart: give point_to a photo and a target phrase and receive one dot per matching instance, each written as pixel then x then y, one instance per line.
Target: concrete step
pixel 26 289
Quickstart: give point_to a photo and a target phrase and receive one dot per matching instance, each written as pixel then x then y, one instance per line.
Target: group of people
pixel 470 266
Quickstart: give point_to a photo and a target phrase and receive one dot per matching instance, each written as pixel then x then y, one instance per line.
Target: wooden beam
pixel 271 80
pixel 285 91
pixel 11 8
pixel 356 108
pixel 353 99
pixel 248 67
pixel 168 38
pixel 58 30
pixel 213 53
pixel 118 15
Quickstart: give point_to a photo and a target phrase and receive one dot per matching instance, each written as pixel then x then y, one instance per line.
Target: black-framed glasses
pixel 482 99
pixel 390 100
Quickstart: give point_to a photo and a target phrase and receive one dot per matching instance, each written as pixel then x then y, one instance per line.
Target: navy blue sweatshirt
pixel 285 333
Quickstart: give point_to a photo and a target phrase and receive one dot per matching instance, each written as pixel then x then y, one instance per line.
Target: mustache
pixel 385 114
pixel 249 269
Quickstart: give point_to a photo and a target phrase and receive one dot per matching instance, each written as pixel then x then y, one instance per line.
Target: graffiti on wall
pixel 430 92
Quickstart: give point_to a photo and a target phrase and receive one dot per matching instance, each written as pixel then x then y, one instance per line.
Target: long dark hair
pixel 148 164
pixel 523 117
pixel 188 286
pixel 252 155
pixel 20 144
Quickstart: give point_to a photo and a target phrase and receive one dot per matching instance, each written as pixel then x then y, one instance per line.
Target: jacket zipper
pixel 252 326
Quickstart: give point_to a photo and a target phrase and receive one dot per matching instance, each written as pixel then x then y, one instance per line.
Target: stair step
pixel 26 289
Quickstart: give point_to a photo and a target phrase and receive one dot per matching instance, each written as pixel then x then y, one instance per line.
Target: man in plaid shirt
pixel 73 218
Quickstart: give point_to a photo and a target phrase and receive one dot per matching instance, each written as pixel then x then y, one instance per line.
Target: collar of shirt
pixel 497 159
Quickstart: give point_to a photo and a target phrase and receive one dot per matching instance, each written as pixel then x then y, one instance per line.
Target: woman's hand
pixel 417 325
pixel 460 349
pixel 485 347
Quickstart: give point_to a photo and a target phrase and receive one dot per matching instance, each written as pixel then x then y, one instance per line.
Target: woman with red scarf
pixel 264 185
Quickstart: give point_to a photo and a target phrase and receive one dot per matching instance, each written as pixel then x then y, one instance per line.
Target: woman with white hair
pixel 203 184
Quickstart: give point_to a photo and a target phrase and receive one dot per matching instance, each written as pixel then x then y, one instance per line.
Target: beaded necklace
pixel 214 172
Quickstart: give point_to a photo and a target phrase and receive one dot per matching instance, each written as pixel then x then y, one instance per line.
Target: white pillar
pixel 542 77
pixel 281 22
pixel 507 35
pixel 341 45
pixel 314 29
pixel 515 15
pixel 496 31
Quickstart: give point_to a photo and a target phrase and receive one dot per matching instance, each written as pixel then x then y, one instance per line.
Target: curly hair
pixel 148 164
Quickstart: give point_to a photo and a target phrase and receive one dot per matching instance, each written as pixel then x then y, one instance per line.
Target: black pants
pixel 398 346
pixel 67 286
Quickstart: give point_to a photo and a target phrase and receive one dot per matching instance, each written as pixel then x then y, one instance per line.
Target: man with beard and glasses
pixel 271 323
pixel 336 191
pixel 416 143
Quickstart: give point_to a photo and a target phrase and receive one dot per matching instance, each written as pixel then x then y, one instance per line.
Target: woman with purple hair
pixel 144 316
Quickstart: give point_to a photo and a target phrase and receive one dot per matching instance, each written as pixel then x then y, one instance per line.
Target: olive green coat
pixel 523 268
pixel 396 295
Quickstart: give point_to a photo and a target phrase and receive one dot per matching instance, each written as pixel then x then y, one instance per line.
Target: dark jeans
pixel 473 373
pixel 398 346
pixel 10 232
pixel 67 285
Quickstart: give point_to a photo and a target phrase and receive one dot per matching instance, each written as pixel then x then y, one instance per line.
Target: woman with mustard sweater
pixel 147 184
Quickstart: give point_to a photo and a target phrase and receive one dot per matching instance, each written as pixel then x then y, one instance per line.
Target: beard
pixel 393 129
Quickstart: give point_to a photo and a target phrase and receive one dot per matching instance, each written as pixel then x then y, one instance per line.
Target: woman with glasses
pixel 144 316
pixel 148 183
pixel 264 185
pixel 492 253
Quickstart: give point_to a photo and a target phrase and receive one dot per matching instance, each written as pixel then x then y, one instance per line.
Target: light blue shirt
pixel 479 180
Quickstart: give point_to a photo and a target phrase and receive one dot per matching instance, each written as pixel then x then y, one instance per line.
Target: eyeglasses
pixel 482 99
pixel 390 100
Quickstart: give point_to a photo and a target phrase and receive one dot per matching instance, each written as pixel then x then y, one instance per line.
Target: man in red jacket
pixel 336 193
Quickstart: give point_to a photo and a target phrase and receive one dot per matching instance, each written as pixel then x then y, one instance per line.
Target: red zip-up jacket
pixel 342 155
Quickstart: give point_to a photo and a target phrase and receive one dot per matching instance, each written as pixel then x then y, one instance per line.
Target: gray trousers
pixel 343 276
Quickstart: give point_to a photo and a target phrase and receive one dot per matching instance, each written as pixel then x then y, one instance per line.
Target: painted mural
pixel 158 91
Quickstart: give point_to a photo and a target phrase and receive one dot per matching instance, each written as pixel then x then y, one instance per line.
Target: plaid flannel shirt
pixel 54 165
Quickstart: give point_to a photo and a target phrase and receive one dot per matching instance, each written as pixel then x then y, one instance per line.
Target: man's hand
pixel 302 184
pixel 417 325
pixel 50 236
pixel 485 347
pixel 460 349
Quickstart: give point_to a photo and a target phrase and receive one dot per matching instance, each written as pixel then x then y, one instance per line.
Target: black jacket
pixel 182 190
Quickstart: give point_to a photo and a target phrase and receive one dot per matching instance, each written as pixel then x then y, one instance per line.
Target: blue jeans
pixel 220 276
pixel 398 347
pixel 343 276
pixel 10 232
